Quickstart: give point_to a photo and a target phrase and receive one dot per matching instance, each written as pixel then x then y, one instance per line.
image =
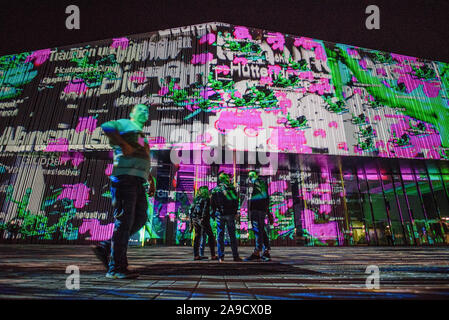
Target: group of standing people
pixel 222 204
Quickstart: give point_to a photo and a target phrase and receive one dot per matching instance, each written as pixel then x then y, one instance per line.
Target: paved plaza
pixel 39 272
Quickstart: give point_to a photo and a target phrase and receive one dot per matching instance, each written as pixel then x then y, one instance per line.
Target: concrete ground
pixel 39 272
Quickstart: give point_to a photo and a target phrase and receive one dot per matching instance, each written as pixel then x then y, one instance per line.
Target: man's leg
pixel 140 211
pixel 196 240
pixel 231 231
pixel 266 242
pixel 257 227
pixel 207 230
pixel 266 239
pixel 220 235
pixel 124 195
pixel 103 252
pixel 203 242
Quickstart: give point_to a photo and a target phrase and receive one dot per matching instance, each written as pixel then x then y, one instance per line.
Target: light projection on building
pixel 285 94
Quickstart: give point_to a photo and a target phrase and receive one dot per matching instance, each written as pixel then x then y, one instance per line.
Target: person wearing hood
pixel 225 203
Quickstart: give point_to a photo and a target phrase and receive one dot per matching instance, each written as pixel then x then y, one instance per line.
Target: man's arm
pixel 213 204
pixel 111 131
pixel 262 190
pixel 190 216
pixel 152 186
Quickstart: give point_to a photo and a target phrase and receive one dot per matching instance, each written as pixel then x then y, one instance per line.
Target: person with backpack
pixel 199 214
pixel 224 203
pixel 258 208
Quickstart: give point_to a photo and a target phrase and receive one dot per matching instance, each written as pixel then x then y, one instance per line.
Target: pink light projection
pixel 224 69
pixel 208 38
pixel 244 214
pixel 274 69
pixel 277 186
pixel 381 71
pixel 319 133
pixel 171 210
pixel 121 43
pixel 242 33
pixel 77 87
pixel 322 231
pixel 86 123
pixel 97 231
pixel 156 142
pixel 363 63
pixel 108 170
pixel 309 44
pixel 286 139
pixel 431 89
pixel 58 144
pixel 182 226
pixel 428 141
pixel 77 158
pixel 64 158
pixel 241 60
pixel 281 207
pixel 138 77
pixel 402 58
pixel 342 146
pixel 321 87
pixel 78 192
pixel 230 120
pixel 352 52
pixel 283 105
pixel 307 75
pixel 39 57
pixel 202 58
pixel 276 40
pixel 266 80
pixel 333 124
pixel 206 93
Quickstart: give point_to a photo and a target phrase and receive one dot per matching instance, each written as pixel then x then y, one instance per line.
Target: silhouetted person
pixel 258 208
pixel 200 218
pixel 389 236
pixel 224 202
pixel 128 189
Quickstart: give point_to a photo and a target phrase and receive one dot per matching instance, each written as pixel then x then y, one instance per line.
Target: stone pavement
pixel 38 272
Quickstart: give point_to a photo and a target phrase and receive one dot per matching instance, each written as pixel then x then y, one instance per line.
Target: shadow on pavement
pixel 219 269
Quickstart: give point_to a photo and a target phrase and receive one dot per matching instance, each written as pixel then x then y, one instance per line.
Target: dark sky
pixel 412 27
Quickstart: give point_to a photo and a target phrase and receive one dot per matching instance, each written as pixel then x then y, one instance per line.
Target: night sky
pixel 412 27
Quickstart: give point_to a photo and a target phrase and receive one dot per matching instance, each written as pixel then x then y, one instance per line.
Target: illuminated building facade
pixel 353 142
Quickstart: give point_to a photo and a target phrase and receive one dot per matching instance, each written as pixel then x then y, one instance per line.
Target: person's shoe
pixel 127 274
pixel 253 257
pixel 204 257
pixel 102 255
pixel 214 258
pixel 197 258
pixel 266 256
pixel 238 259
pixel 221 259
